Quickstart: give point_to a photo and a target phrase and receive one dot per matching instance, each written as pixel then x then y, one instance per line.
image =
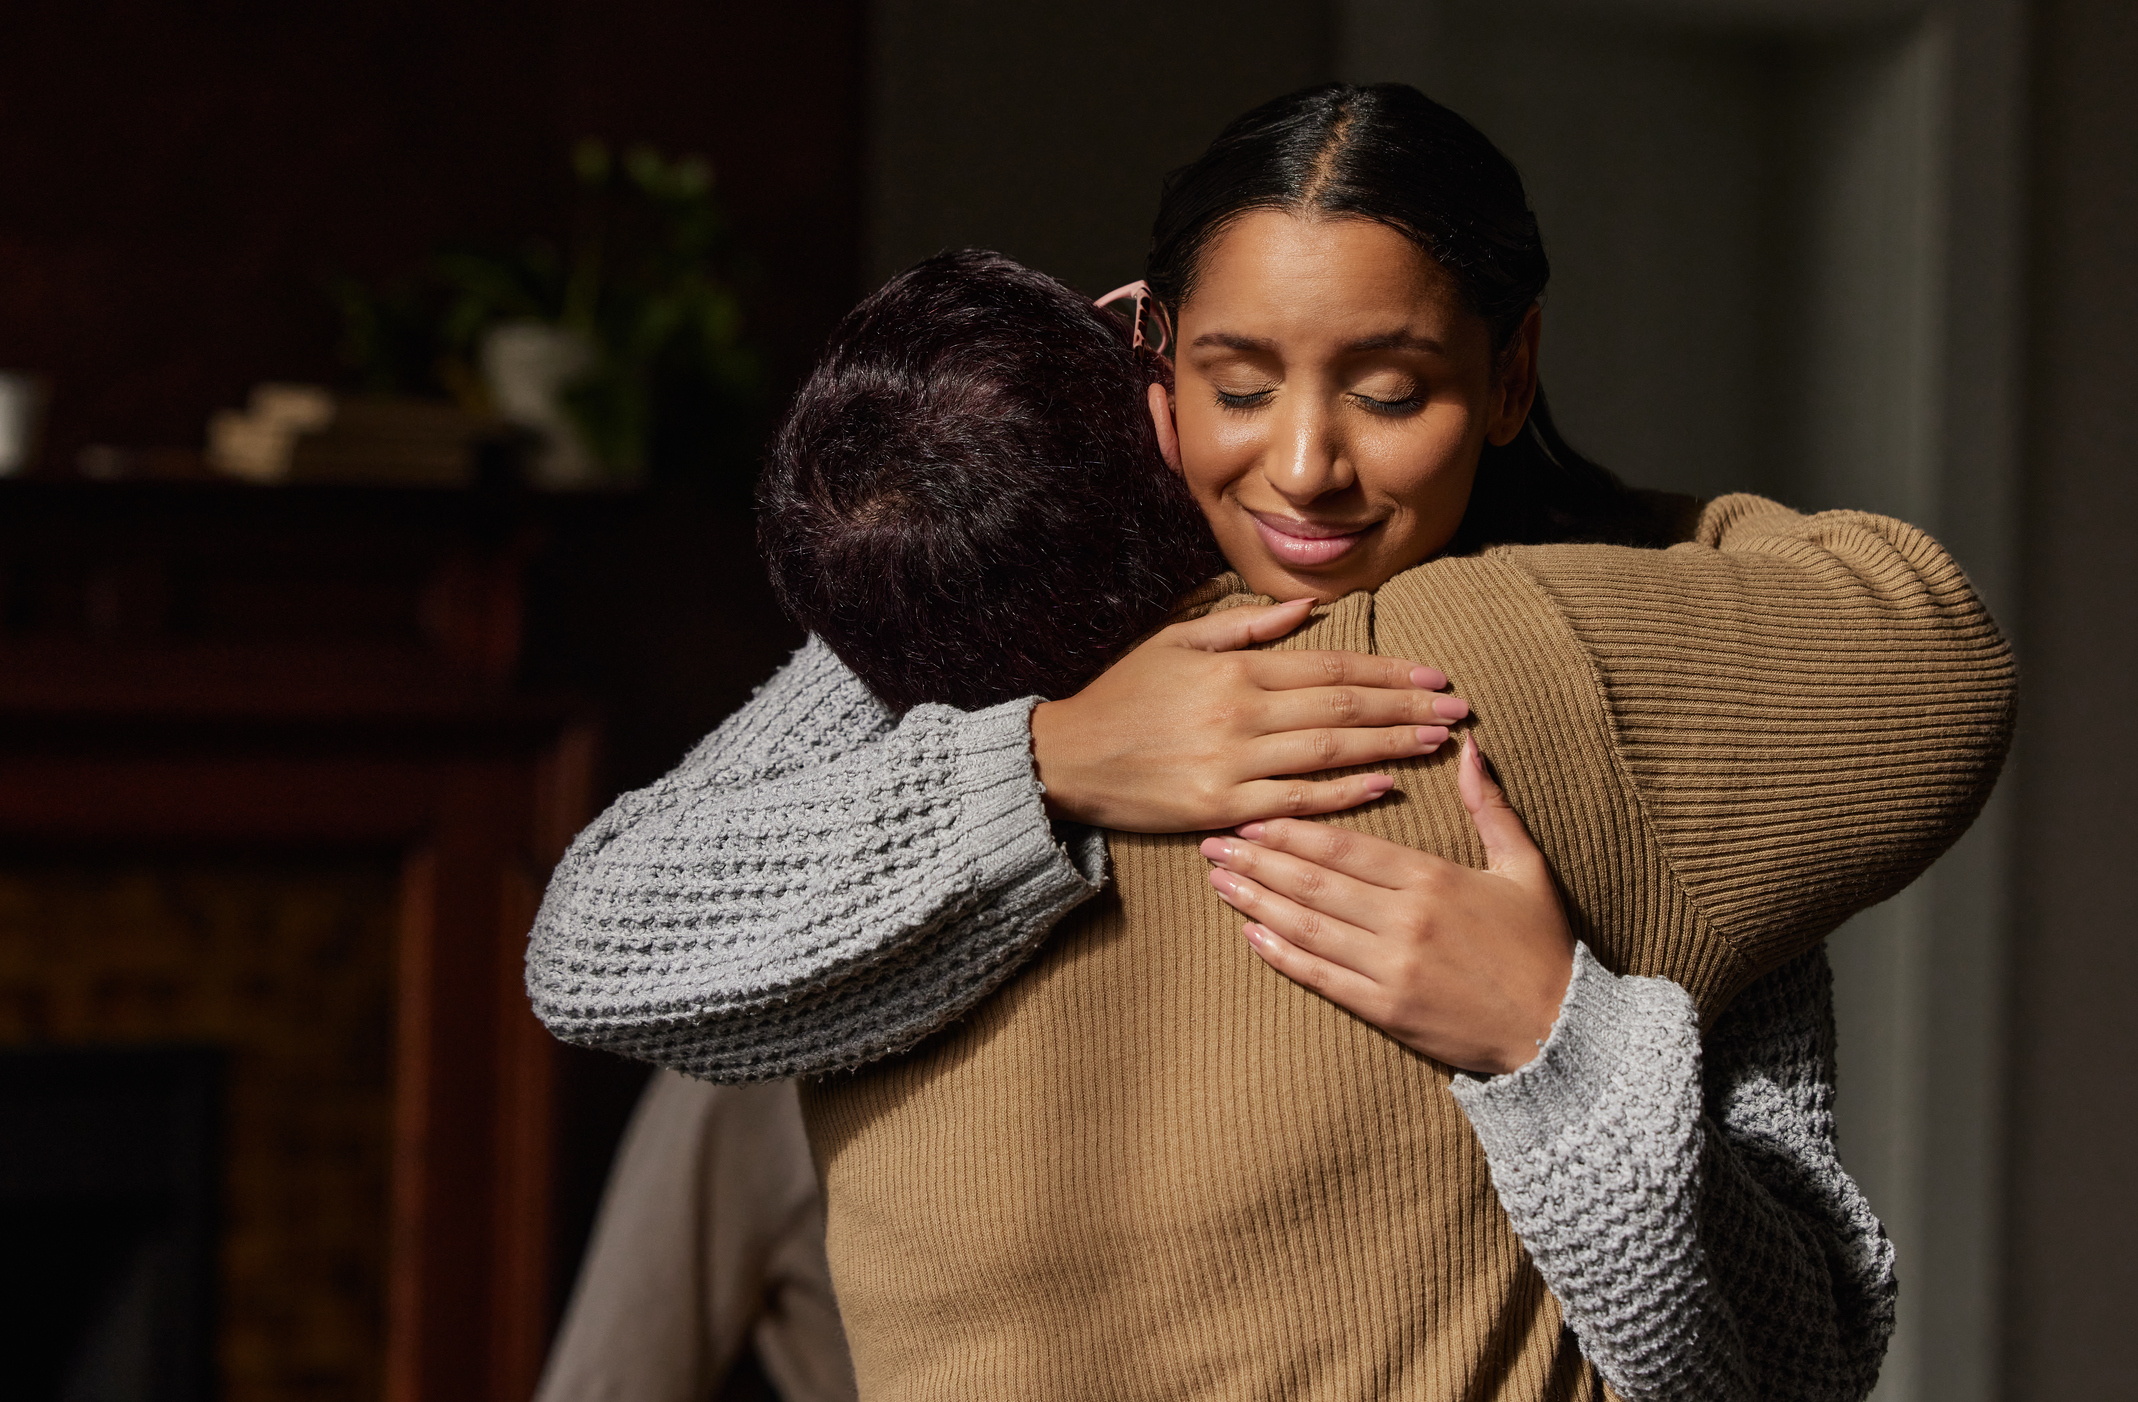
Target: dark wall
pixel 1043 131
pixel 2074 1130
pixel 176 179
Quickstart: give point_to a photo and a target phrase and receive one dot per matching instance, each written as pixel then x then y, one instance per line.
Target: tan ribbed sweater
pixel 1152 1168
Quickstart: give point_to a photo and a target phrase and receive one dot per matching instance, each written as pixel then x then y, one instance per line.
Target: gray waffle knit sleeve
pixel 1686 1205
pixel 814 887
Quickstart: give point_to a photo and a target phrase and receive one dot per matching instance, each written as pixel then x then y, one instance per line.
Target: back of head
pixel 966 500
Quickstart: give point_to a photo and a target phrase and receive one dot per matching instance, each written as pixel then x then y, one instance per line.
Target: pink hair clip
pixel 1141 291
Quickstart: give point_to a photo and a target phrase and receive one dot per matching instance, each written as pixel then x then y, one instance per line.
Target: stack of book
pixel 303 433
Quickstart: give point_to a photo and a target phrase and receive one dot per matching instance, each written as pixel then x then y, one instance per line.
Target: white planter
pixel 526 365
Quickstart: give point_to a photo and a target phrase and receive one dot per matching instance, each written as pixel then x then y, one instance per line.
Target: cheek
pixel 1216 448
pixel 1408 460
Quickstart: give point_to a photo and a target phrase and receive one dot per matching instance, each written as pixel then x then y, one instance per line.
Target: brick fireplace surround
pixel 225 673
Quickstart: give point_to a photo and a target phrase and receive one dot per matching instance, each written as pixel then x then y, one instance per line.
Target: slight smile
pixel 1308 544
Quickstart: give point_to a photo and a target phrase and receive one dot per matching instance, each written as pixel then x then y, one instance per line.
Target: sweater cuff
pixel 1008 837
pixel 1614 1035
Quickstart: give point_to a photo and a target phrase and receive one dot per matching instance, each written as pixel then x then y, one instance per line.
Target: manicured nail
pixel 1256 935
pixel 1251 831
pixel 1428 678
pixel 1450 707
pixel 1378 784
pixel 1217 849
pixel 1431 735
pixel 1227 885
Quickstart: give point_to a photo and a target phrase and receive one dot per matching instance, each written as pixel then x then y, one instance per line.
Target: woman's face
pixel 1332 395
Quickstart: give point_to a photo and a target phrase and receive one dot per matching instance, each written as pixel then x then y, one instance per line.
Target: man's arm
pixel 1808 710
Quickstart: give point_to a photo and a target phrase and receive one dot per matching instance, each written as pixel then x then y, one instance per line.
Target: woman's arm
pixel 1686 1204
pixel 816 885
pixel 756 912
pixel 1694 1248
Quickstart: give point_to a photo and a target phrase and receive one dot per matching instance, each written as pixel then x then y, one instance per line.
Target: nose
pixel 1307 458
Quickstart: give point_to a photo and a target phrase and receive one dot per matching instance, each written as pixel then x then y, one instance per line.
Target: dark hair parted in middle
pixel 1390 154
pixel 966 500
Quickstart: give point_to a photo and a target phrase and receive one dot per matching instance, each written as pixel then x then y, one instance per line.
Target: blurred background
pixel 380 391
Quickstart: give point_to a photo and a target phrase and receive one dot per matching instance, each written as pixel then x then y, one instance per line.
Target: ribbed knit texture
pixel 1792 782
pixel 1152 1168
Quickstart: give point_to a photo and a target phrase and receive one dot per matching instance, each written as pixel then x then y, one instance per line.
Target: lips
pixel 1308 543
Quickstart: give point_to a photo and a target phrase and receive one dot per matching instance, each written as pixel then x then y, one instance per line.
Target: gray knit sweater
pixel 817 885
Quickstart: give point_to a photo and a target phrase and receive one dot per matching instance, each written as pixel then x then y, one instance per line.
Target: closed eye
pixel 1393 408
pixel 1226 400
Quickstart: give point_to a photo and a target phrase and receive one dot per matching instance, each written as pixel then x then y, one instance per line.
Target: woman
pixel 1405 410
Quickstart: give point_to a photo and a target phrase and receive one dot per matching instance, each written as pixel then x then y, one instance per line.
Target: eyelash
pixel 1391 408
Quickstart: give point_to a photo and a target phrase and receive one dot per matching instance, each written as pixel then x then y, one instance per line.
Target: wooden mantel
pixel 219 668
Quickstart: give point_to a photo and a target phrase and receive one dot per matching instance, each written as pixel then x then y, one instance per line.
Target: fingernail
pixel 1256 935
pixel 1450 707
pixel 1378 784
pixel 1251 831
pixel 1217 849
pixel 1227 884
pixel 1429 735
pixel 1428 678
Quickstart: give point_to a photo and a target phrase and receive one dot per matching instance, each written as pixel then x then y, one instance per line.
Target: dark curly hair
pixel 966 500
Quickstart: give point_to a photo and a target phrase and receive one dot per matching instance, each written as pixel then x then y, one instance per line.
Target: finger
pixel 1306 751
pixel 1306 884
pixel 1508 845
pixel 1360 856
pixel 1231 629
pixel 1282 671
pixel 1300 798
pixel 1337 941
pixel 1352 991
pixel 1309 707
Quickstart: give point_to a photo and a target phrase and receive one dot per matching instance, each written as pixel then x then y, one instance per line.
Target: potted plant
pixel 622 351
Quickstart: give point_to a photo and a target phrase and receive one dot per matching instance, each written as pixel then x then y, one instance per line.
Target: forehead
pixel 1279 268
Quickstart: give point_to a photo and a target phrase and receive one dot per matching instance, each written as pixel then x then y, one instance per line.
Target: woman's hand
pixel 1188 732
pixel 1468 967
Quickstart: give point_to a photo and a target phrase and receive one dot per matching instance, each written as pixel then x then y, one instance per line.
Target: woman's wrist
pixel 1547 1002
pixel 1048 764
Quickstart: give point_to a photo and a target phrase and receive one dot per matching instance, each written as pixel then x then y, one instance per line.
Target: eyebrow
pixel 1387 340
pixel 1398 340
pixel 1226 340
